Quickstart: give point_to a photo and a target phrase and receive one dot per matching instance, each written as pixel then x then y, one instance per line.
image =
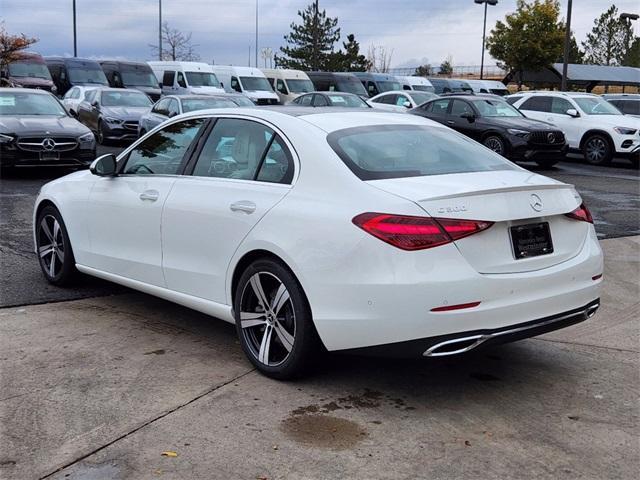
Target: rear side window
pixel 537 104
pixel 398 151
pixel 629 107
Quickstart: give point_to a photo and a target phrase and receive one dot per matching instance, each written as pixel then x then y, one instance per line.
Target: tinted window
pixel 460 107
pixel 630 107
pixel 277 166
pixel 396 151
pixel 305 100
pixel 233 149
pixel 281 87
pixel 511 100
pixel 372 89
pixel 139 78
pixel 167 78
pixel 181 81
pixel 80 74
pixel 163 152
pixel 440 107
pixel 235 84
pixel 537 104
pixel 560 105
pixel 386 99
pixel 319 101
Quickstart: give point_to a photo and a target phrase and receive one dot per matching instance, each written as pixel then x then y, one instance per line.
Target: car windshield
pixel 202 79
pixel 351 101
pixel 26 69
pixel 420 97
pixel 351 86
pixel 139 78
pixel 499 91
pixel 192 104
pixel 388 85
pixel 299 86
pixel 23 103
pixel 596 106
pixel 495 108
pixel 125 99
pixel 398 151
pixel 87 75
pixel 253 84
pixel 423 88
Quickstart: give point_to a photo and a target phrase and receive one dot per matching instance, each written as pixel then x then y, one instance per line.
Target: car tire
pixel 53 247
pixel 100 134
pixel 597 150
pixel 278 338
pixel 546 163
pixel 496 143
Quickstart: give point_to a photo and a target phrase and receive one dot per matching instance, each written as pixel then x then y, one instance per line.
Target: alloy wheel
pixel 494 144
pixel 51 246
pixel 267 319
pixel 596 150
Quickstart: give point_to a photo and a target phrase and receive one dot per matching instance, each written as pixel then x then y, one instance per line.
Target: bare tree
pixel 176 45
pixel 379 58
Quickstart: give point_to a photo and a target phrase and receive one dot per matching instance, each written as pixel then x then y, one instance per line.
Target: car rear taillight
pixel 417 233
pixel 581 213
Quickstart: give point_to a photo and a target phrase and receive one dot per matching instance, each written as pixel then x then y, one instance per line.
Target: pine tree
pixel 605 45
pixel 310 45
pixel 353 60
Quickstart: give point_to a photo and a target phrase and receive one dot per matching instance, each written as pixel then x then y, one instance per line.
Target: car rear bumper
pixel 464 342
pixel 392 300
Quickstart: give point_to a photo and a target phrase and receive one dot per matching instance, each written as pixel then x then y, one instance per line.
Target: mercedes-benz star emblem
pixel 536 202
pixel 48 144
pixel 551 137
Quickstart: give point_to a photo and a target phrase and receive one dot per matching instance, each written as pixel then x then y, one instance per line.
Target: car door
pixel 85 107
pixel 458 122
pixel 240 172
pixel 92 113
pixel 124 224
pixel 436 110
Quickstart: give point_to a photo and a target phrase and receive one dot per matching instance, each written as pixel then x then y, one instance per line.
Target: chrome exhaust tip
pixel 455 346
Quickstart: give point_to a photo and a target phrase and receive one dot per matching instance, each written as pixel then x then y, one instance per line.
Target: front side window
pixel 596 106
pixel 460 107
pixel 70 93
pixel 629 107
pixel 168 77
pixel 280 86
pixel 235 84
pixel 421 97
pixel 402 101
pixel 163 152
pixel 440 107
pixel 181 81
pixel 397 151
pixel 90 96
pixel 372 89
pixel 16 102
pixel 124 98
pixel 235 149
pixel 319 101
pixel 560 105
pixel 305 100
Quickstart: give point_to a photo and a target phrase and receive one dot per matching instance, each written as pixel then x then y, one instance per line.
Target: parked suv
pixel 498 126
pixel 627 103
pixel 591 125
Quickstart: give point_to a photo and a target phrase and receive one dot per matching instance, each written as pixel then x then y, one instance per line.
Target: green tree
pixel 446 67
pixel 310 45
pixel 423 70
pixel 575 54
pixel 609 40
pixel 632 58
pixel 531 38
pixel 351 60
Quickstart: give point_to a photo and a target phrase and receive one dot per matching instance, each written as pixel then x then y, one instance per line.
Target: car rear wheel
pixel 597 150
pixel 54 248
pixel 100 136
pixel 273 320
pixel 495 143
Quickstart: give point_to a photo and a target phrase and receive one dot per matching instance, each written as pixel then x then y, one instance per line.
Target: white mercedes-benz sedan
pixel 356 231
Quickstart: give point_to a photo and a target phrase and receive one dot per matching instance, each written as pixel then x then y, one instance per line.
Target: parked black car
pixel 113 113
pixel 499 126
pixel 330 99
pixel 36 130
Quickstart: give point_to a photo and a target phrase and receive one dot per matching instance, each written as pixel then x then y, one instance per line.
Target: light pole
pixel 565 55
pixel 256 33
pixel 75 32
pixel 484 28
pixel 160 30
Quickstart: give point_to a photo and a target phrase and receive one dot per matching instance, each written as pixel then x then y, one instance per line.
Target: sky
pixel 417 31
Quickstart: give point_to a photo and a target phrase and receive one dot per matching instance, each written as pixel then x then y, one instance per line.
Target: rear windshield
pixel 397 151
pixel 193 104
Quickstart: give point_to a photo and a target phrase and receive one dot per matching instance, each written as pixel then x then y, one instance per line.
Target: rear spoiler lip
pixel 488 191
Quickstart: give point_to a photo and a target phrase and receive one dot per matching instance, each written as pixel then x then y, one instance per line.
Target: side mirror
pixel 469 116
pixel 407 104
pixel 104 166
pixel 572 112
pixel 95 104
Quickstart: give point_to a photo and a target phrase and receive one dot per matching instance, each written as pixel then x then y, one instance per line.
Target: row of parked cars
pixel 114 100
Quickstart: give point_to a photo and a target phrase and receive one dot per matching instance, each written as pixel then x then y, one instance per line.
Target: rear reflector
pixel 581 213
pixel 461 306
pixel 417 233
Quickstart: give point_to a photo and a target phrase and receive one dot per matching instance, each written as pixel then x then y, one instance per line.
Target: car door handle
pixel 151 195
pixel 450 122
pixel 243 206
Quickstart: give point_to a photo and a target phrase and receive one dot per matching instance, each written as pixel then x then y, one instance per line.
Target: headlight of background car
pixel 4 139
pixel 517 132
pixel 115 121
pixel 86 138
pixel 625 130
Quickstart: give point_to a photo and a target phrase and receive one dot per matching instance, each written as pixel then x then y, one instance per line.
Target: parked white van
pixel 186 78
pixel 247 80
pixel 420 84
pixel 288 84
pixel 488 86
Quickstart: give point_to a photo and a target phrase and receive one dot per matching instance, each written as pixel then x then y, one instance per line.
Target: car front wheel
pixel 495 143
pixel 273 320
pixel 54 248
pixel 597 150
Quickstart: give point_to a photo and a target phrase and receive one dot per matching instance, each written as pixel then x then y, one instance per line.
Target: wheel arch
pixel 597 131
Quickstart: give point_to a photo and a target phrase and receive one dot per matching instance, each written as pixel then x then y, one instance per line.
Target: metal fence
pixel 471 71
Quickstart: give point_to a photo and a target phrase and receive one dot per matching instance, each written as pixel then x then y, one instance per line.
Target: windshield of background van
pixel 139 78
pixel 398 151
pixel 299 86
pixel 33 70
pixel 255 84
pixel 87 75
